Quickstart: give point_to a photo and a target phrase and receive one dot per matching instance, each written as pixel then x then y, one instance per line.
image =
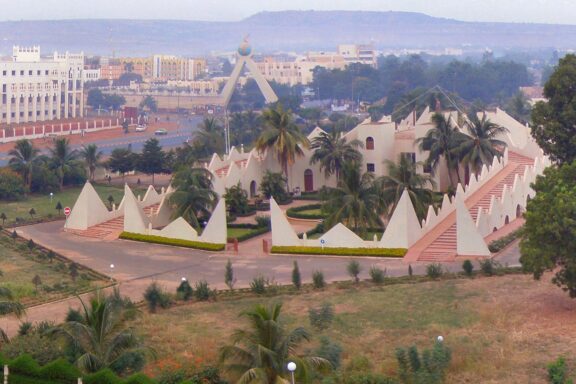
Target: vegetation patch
pixel 173 242
pixel 376 252
pixel 309 212
pixel 503 242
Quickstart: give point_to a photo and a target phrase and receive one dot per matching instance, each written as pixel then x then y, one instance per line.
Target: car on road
pixel 141 128
pixel 161 132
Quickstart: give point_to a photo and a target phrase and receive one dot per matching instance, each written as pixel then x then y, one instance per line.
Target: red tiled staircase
pixel 440 243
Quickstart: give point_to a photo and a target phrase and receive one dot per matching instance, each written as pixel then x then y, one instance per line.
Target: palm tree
pixel 63 158
pixel 9 305
pixel 481 145
pixel 194 196
pixel 23 158
pixel 282 136
pixel 100 335
pixel 261 353
pixel 403 176
pixel 441 141
pixel 209 137
pixel 332 150
pixel 355 202
pixel 91 156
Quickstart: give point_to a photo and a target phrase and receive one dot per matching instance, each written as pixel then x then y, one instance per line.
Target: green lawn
pixel 494 326
pixel 46 209
pixel 235 232
pixel 19 265
pixel 368 236
pixel 311 212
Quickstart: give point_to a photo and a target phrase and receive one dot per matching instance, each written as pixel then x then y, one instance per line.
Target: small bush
pixel 503 242
pixel 296 277
pixel 184 291
pixel 25 328
pixel 321 317
pixel 428 367
pixel 258 285
pixel 354 270
pixel 229 279
pixel 60 370
pixel 296 212
pixel 318 280
pixel 558 372
pixel 104 376
pixel 74 315
pixel 330 350
pixel 410 270
pixel 488 267
pixel 468 267
pixel 31 245
pixel 202 291
pixel 263 221
pixel 156 297
pixel 377 275
pixel 434 270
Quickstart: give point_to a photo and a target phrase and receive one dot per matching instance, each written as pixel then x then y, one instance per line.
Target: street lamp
pixel 51 196
pixel 183 279
pixel 440 339
pixel 111 269
pixel 292 367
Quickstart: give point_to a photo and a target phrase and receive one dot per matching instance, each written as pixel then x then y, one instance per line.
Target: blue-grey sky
pixel 531 11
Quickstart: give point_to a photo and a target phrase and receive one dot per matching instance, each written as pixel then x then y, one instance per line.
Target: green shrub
pixel 174 242
pixel 60 370
pixel 368 378
pixel 25 328
pixel 258 285
pixel 376 252
pixel 263 221
pixel 184 291
pixel 296 277
pixel 410 270
pixel 229 279
pixel 74 315
pixel 468 267
pixel 156 297
pixel 104 376
pixel 321 317
pixel 488 267
pixel 31 245
pixel 202 291
pixel 558 372
pixel 139 378
pixel 426 368
pixel 329 350
pixel 434 270
pixel 318 280
pixel 504 241
pixel 25 365
pixel 377 275
pixel 354 270
pixel 253 233
pixel 296 212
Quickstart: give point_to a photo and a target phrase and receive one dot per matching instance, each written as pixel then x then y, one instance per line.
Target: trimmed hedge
pixel 295 212
pixel 173 242
pixel 376 252
pixel 256 232
pixel 504 241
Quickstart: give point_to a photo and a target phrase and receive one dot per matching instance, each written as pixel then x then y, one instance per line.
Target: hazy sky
pixel 533 11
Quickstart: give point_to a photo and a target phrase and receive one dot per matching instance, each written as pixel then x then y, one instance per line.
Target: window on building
pixel 47 72
pixel 21 114
pixel 29 113
pixel 30 73
pixel 370 167
pixel 3 87
pixel 12 114
pixel 4 99
pixel 370 143
pixel 13 73
pixel 4 115
pixel 22 73
pixel 3 73
pixel 410 156
pixel 38 72
pixel 37 113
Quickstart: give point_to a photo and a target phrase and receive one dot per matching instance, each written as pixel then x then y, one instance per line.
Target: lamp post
pixel 440 339
pixel 292 367
pixel 6 373
pixel 51 196
pixel 111 270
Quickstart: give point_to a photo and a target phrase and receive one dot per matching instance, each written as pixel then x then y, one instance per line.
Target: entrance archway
pixel 252 188
pixel 507 220
pixel 518 211
pixel 308 180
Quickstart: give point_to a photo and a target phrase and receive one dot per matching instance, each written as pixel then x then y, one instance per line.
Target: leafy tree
pixel 332 150
pixel 404 177
pixel 296 277
pixel 9 306
pixel 553 121
pixel 37 281
pixel 12 186
pixel 155 297
pixel 318 280
pixel 321 317
pixel 481 145
pixel 282 136
pixel 549 228
pixel 95 98
pixel 194 196
pixel 32 212
pixel 63 158
pixel 149 103
pixel 59 207
pixel 354 270
pixel 519 108
pixel 101 336
pixel 121 160
pixel 355 202
pixel 91 157
pixel 125 125
pixel 274 185
pixel 441 142
pixel 184 290
pixel 236 199
pixel 152 158
pixel 23 158
pixel 261 353
pixel 229 279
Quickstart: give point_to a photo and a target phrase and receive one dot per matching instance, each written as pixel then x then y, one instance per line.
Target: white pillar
pixel 26 108
pixel 8 104
pixel 66 100
pixel 74 94
pixel 35 108
pixel 17 112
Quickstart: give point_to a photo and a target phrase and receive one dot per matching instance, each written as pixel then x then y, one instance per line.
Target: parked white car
pixel 141 128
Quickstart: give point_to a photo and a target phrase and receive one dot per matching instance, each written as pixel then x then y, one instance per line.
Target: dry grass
pixel 500 329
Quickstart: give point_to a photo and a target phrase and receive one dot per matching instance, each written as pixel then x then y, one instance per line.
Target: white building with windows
pixel 38 89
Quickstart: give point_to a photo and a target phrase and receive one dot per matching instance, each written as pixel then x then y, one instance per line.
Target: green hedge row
pixel 295 212
pixel 174 242
pixel 376 252
pixel 504 241
pixel 256 232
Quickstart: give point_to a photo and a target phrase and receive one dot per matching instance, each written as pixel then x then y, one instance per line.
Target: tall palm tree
pixel 355 202
pixel 403 176
pixel 209 137
pixel 9 305
pixel 100 335
pixel 481 145
pixel 261 353
pixel 63 158
pixel 91 156
pixel 23 158
pixel 441 141
pixel 194 196
pixel 332 150
pixel 282 136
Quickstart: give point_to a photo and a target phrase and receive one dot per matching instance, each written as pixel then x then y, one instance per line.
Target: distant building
pixel 358 53
pixel 91 75
pixel 38 89
pixel 177 68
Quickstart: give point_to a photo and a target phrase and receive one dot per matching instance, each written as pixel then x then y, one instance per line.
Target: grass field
pixel 46 209
pixel 500 329
pixel 235 232
pixel 367 236
pixel 19 266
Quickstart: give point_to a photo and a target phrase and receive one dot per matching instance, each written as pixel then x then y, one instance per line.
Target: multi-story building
pixel 139 65
pixel 358 53
pixel 111 69
pixel 38 89
pixel 177 68
pixel 90 74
